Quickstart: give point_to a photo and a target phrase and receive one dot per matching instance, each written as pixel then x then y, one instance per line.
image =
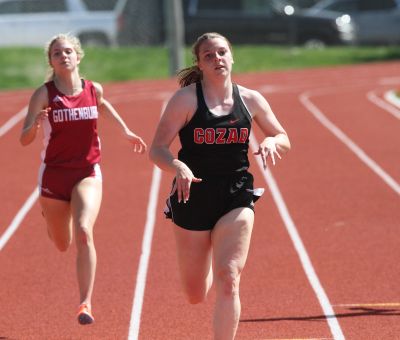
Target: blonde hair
pixel 193 74
pixel 74 41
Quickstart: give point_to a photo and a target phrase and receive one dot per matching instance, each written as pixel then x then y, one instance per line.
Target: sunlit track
pixel 296 339
pixel 306 101
pixel 328 87
pixel 383 104
pixel 323 259
pixel 18 218
pixel 299 246
pixel 134 326
pixel 123 98
pixel 393 98
pixel 390 81
pixel 14 120
pixel 144 257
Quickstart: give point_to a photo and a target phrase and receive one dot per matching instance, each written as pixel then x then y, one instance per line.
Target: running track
pixel 324 262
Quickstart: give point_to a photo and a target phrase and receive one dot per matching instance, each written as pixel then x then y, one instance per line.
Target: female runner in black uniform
pixel 212 200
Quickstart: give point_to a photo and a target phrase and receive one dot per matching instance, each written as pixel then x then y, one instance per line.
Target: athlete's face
pixel 63 56
pixel 215 57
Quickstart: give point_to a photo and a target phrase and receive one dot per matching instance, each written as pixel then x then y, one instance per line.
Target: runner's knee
pixel 196 290
pixel 227 280
pixel 196 296
pixel 61 240
pixel 62 244
pixel 84 236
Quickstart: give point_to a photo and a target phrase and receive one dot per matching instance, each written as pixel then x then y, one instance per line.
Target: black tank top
pixel 216 145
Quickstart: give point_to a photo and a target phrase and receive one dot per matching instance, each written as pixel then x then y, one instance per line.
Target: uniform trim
pixel 244 104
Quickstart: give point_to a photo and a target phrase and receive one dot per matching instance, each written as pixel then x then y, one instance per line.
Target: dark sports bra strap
pixel 201 103
pixel 235 90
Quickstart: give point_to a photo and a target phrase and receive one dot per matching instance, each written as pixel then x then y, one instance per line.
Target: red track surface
pixel 346 216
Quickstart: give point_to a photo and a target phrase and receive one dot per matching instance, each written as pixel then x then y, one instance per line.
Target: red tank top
pixel 70 132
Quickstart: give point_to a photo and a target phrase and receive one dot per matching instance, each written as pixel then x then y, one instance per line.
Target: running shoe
pixel 85 316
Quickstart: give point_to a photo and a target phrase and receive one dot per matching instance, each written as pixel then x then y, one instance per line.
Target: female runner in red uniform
pixel 70 182
pixel 212 201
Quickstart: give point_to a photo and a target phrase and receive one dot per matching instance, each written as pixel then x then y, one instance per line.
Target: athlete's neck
pixel 70 86
pixel 218 97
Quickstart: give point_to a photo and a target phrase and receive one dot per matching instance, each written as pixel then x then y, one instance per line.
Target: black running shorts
pixel 211 199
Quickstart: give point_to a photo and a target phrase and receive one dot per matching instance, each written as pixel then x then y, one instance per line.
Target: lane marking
pixel 393 98
pixel 19 218
pixel 8 125
pixel 137 305
pixel 305 100
pixel 300 248
pixel 383 104
pixel 367 305
pixel 324 87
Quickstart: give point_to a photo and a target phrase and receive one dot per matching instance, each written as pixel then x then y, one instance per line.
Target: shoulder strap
pixel 201 103
pixel 240 102
pixel 51 90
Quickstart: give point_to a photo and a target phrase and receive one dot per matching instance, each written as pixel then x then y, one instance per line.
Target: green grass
pixel 26 67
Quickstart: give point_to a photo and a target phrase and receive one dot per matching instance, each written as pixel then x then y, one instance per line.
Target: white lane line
pixel 31 199
pixel 12 121
pixel 305 100
pixel 393 98
pixel 19 218
pixel 300 248
pixel 145 256
pixel 383 104
pixel 134 325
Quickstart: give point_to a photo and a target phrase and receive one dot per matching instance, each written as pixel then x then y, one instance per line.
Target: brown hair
pixel 193 74
pixel 74 41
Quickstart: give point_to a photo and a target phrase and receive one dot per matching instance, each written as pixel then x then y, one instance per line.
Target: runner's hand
pixel 42 115
pixel 268 149
pixel 138 144
pixel 183 181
